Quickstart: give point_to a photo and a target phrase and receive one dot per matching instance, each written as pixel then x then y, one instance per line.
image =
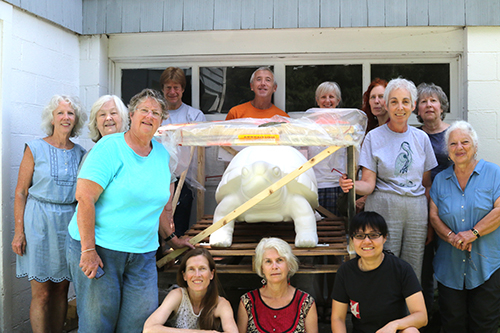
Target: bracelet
pixel 475 232
pixel 88 250
pixel 451 231
pixel 172 235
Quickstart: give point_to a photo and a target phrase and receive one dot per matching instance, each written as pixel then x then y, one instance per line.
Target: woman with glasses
pixel 465 212
pixel 123 200
pixel 377 286
pixel 396 161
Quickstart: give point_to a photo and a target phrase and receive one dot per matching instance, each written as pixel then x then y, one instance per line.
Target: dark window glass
pixel 438 74
pixel 302 81
pixel 221 88
pixel 134 80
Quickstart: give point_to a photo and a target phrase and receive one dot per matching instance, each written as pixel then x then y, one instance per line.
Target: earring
pixel 263 281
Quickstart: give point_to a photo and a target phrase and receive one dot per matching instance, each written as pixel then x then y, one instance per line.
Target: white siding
pixel 67 13
pixel 265 14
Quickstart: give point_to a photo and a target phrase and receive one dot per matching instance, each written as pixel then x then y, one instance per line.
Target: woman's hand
pixel 391 327
pixel 463 240
pixel 19 243
pixel 179 243
pixel 89 262
pixel 345 183
pixel 26 170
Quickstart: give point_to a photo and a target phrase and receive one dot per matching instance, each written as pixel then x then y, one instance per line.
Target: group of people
pixel 412 176
pixel 275 307
pixel 96 223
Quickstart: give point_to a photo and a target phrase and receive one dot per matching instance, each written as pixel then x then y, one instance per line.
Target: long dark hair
pixel 207 320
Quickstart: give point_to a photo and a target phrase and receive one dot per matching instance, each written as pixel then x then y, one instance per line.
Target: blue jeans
pixel 122 299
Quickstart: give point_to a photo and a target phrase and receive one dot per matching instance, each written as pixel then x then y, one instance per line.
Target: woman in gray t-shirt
pixel 396 161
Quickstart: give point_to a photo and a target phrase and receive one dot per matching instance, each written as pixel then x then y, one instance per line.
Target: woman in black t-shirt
pixel 377 286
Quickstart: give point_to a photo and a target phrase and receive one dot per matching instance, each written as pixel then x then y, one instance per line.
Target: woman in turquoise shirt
pixel 123 200
pixel 465 212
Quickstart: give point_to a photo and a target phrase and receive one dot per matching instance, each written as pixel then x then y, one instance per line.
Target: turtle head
pixel 258 176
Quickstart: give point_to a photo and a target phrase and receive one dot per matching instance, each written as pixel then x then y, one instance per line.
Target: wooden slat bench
pixel 237 258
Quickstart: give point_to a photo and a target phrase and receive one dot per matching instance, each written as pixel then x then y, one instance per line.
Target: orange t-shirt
pixel 247 110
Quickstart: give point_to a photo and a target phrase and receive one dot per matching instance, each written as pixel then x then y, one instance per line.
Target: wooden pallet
pixel 331 234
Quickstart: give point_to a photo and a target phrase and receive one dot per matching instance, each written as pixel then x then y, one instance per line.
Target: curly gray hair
pixel 48 114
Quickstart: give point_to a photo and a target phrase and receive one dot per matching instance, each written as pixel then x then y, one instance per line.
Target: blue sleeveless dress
pixel 49 208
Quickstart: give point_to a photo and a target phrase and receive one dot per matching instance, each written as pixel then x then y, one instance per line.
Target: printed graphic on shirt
pixel 403 163
pixel 355 309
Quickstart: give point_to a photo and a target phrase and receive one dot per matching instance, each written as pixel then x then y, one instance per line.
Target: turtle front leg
pixel 304 221
pixel 223 237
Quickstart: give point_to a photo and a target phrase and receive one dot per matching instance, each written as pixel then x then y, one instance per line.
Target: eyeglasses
pixel 156 114
pixel 372 235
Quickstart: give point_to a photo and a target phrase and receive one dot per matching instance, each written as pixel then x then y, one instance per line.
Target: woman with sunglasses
pixel 377 286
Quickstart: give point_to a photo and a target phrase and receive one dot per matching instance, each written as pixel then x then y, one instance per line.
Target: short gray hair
pixel 48 114
pixel 430 89
pixel 264 68
pixel 463 126
pixel 94 133
pixel 327 87
pixel 401 83
pixel 283 249
pixel 148 93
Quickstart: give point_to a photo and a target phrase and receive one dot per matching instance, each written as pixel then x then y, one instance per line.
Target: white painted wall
pixel 44 60
pixel 483 88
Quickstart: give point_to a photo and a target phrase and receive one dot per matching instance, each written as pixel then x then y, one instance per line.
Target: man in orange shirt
pixel 263 85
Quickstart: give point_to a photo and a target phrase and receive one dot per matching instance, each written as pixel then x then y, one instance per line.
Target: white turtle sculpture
pixel 251 171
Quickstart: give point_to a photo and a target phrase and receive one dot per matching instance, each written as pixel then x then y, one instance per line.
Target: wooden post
pixel 180 184
pixel 351 196
pixel 252 202
pixel 351 174
pixel 200 195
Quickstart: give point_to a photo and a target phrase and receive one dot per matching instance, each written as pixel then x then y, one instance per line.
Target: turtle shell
pixel 285 157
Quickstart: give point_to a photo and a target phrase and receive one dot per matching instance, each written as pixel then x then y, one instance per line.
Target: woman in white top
pixel 196 306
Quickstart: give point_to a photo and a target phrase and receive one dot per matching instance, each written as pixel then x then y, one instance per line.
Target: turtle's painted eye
pixel 277 171
pixel 244 172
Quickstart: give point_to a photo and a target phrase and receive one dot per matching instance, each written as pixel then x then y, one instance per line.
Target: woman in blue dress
pixel 43 206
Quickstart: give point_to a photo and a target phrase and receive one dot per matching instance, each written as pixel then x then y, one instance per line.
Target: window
pixel 216 89
pixel 439 74
pixel 134 80
pixel 302 81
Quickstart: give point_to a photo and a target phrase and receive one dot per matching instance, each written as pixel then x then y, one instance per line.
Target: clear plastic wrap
pixel 317 127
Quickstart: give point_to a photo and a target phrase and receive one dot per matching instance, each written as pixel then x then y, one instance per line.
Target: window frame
pixel 280 61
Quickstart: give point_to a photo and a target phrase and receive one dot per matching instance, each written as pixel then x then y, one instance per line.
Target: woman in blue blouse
pixel 465 212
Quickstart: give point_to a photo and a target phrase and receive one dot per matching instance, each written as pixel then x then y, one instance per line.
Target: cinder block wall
pixel 483 75
pixel 44 60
